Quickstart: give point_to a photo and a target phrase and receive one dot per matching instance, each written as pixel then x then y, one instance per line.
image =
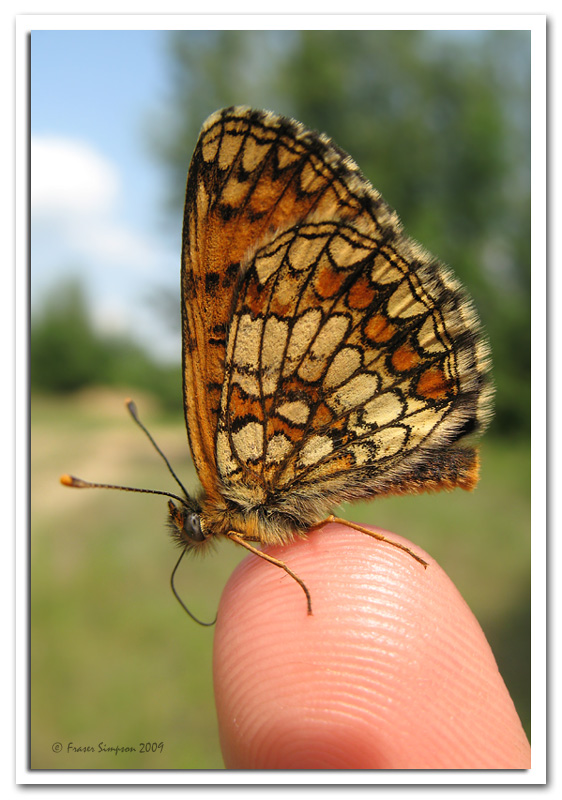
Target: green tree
pixel 67 354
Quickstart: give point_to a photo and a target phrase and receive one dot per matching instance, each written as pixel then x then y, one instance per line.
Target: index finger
pixel 392 670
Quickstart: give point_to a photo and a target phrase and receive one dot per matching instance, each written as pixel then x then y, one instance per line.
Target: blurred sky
pixel 96 190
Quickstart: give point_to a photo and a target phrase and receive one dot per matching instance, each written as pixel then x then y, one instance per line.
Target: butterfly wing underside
pixel 326 355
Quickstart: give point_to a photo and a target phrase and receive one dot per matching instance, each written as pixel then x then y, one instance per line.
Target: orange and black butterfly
pixel 326 356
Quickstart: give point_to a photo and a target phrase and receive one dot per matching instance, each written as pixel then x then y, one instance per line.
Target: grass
pixel 115 660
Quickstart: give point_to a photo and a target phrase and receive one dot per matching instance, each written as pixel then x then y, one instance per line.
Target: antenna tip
pixel 67 480
pixel 131 406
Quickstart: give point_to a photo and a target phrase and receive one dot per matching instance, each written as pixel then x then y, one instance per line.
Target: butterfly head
pixel 185 524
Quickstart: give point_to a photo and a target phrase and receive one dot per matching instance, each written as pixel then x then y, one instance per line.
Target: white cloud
pixel 70 177
pixel 78 206
pixel 104 240
pixel 76 202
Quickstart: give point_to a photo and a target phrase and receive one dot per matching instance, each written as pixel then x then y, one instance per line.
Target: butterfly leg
pixel 234 537
pixel 374 534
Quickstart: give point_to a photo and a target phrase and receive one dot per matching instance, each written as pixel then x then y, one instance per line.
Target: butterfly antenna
pixel 132 409
pixel 180 601
pixel 78 483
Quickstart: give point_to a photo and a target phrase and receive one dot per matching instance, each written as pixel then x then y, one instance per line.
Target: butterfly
pixel 327 357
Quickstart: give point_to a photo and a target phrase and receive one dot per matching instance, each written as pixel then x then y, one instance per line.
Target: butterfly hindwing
pixel 352 364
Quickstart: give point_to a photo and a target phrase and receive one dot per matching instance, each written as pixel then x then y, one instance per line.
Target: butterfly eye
pixel 185 525
pixel 192 527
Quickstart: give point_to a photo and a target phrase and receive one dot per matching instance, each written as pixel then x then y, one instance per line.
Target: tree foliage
pixel 67 354
pixel 437 120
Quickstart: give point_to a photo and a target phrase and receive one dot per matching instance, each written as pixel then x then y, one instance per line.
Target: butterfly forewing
pixel 252 174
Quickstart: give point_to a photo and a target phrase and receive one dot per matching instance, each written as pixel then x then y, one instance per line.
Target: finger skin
pixel 391 671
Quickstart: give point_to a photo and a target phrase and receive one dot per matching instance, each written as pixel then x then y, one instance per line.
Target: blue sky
pixel 97 191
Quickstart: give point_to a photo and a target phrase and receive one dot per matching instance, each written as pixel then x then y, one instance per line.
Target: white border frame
pixel 536 24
